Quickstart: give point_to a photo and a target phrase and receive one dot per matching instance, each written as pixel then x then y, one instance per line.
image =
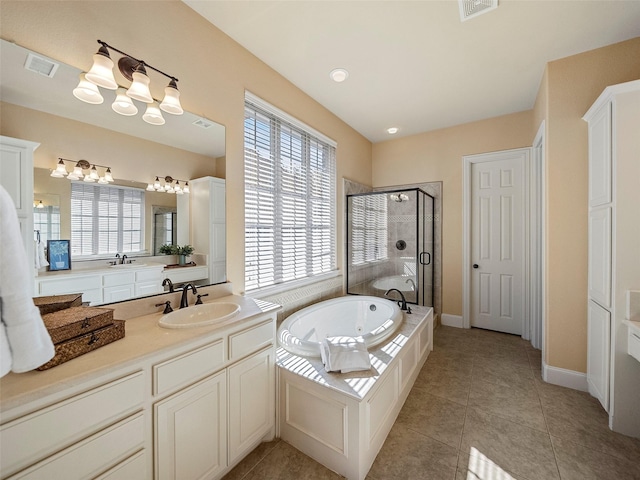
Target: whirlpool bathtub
pixel 373 318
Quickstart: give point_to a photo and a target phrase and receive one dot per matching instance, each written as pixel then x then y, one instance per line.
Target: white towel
pixel 42 258
pixel 25 343
pixel 344 354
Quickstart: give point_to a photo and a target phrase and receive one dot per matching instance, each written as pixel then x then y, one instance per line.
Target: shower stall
pixel 390 244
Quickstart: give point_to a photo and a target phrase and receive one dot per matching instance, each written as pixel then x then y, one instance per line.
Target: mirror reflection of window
pixel 46 220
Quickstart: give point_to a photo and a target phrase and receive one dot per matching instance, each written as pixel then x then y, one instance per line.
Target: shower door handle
pixel 422 254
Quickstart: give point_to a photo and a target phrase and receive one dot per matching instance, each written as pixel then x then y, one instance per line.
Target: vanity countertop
pixel 143 338
pixel 103 269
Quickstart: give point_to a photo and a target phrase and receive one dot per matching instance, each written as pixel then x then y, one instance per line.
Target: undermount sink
pixel 128 265
pixel 199 315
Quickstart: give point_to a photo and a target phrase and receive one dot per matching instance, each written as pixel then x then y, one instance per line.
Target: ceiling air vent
pixel 41 65
pixel 203 123
pixel 473 8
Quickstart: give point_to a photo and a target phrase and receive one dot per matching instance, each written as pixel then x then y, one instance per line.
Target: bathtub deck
pixel 342 420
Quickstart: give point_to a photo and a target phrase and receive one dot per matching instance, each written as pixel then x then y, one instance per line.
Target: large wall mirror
pixel 42 109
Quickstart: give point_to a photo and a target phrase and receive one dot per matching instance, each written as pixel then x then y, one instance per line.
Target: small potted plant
pixel 181 251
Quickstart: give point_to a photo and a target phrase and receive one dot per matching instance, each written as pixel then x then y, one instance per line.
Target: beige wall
pixel 214 72
pixel 437 156
pixel 573 84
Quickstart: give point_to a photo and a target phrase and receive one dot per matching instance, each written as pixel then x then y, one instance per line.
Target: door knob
pixel 475 265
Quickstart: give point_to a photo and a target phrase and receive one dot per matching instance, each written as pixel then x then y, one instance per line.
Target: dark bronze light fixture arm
pixel 138 61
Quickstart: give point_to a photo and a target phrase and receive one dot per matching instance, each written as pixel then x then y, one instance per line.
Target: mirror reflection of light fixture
pixel 39 204
pixel 134 70
pixel 399 197
pixel 78 174
pixel 168 186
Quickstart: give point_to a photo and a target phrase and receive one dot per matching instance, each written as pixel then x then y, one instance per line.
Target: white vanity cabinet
pixel 614 263
pixel 16 176
pixel 208 231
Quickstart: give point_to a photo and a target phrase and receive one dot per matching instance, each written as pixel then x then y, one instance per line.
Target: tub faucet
pixel 413 284
pixel 167 281
pixel 403 306
pixel 184 301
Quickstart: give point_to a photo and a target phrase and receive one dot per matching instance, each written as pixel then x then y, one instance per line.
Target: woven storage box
pixel 54 303
pixel 72 322
pixel 88 342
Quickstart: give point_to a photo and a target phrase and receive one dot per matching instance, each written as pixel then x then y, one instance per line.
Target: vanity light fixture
pixel 78 174
pixel 134 70
pixel 399 197
pixel 168 186
pixel 39 204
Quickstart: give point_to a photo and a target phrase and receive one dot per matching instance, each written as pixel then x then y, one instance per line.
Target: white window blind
pixel 289 201
pixel 47 221
pixel 106 219
pixel 368 218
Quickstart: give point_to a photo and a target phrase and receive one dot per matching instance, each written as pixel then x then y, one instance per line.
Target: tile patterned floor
pixel 479 410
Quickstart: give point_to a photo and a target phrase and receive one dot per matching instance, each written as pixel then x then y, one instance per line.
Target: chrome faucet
pixel 403 306
pixel 184 300
pixel 166 282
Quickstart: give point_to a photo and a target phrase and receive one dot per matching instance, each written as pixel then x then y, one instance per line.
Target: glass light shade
pixel 156 184
pixel 87 92
pixel 88 179
pixel 139 89
pixel 101 72
pixel 186 188
pixel 150 188
pixel 177 189
pixel 123 104
pixel 107 175
pixel 153 115
pixel 40 204
pixel 61 168
pixel 102 181
pixel 56 174
pixel 73 176
pixel 168 188
pixel 171 102
pixel 77 173
pixel 170 191
pixel 94 173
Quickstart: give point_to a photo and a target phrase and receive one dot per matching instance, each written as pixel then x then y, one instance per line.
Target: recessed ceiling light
pixel 392 130
pixel 339 75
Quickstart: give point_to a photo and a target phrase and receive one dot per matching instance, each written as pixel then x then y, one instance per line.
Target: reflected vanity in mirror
pixel 42 109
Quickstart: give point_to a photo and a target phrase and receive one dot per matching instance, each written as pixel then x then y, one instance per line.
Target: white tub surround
pixel 374 319
pixel 342 420
pixel 157 404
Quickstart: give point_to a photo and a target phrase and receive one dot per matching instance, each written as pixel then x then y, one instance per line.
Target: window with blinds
pixel 106 219
pixel 47 221
pixel 289 199
pixel 369 230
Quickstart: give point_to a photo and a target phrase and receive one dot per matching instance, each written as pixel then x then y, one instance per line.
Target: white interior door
pixel 498 219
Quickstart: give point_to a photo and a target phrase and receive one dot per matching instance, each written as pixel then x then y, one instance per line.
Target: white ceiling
pixel 413 64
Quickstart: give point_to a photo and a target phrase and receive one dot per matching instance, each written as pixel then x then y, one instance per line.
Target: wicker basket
pixel 88 342
pixel 72 322
pixel 54 303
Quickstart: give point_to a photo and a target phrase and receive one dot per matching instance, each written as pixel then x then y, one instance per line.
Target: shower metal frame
pixel 433 235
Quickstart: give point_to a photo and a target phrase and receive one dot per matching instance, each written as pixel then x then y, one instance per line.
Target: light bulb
pixel 101 72
pixel 87 92
pixel 123 104
pixel 153 115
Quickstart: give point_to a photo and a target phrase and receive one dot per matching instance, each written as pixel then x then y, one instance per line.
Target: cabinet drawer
pixel 69 285
pixel 133 467
pixel 29 439
pixel 187 368
pixel 120 278
pixel 93 455
pixel 149 275
pixel 250 340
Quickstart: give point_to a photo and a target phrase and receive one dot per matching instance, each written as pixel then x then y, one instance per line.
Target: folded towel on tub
pixel 344 354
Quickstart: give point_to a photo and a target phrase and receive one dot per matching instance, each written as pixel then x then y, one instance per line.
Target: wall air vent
pixel 203 123
pixel 473 8
pixel 40 65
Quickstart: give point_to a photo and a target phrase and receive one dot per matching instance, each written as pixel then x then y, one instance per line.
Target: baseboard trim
pixel 451 320
pixel 564 377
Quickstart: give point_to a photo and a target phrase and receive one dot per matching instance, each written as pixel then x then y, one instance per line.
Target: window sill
pixel 284 287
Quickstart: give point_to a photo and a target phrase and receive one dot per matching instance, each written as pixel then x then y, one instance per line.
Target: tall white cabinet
pixel 208 231
pixel 16 176
pixel 613 376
